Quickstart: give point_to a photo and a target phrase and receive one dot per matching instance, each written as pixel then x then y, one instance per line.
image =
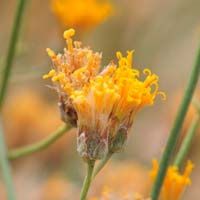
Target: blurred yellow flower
pixel 126 177
pixel 110 194
pixel 105 102
pixel 81 14
pixel 57 187
pixel 175 182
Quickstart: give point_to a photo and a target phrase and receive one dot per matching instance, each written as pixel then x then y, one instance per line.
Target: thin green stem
pixel 5 167
pixel 196 104
pixel 30 149
pixel 186 144
pixel 88 179
pixel 176 128
pixel 11 49
pixel 102 163
pixel 4 163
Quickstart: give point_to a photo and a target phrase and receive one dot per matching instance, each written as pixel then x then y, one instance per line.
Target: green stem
pixel 88 179
pixel 30 149
pixel 196 104
pixel 5 167
pixel 102 163
pixel 176 128
pixel 11 49
pixel 4 163
pixel 186 143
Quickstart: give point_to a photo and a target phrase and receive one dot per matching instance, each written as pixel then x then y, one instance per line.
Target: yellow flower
pixel 115 93
pixel 104 103
pixel 109 194
pixel 75 67
pixel 107 105
pixel 71 70
pixel 57 187
pixel 175 182
pixel 126 177
pixel 81 14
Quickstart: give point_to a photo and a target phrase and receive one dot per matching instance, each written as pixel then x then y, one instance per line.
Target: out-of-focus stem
pixel 5 167
pixel 169 149
pixel 186 143
pixel 4 163
pixel 196 104
pixel 11 49
pixel 30 149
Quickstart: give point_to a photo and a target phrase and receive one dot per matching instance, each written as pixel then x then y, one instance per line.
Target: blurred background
pixel 164 35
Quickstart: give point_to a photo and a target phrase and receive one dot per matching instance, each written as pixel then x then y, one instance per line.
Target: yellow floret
pixel 81 14
pixel 50 74
pixel 174 182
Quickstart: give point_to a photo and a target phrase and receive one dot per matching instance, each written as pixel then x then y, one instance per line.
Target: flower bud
pixel 91 146
pixel 119 140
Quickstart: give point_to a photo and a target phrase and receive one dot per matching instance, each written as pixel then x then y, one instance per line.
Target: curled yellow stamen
pixel 163 95
pixel 147 72
pixel 69 33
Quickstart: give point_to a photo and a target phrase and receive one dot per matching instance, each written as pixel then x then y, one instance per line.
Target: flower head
pixel 107 105
pixel 81 14
pixel 71 71
pixel 104 103
pixel 175 182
